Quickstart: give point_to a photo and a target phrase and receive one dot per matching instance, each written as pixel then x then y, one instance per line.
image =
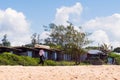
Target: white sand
pixel 103 72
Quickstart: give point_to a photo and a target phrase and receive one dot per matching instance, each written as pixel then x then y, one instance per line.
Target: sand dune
pixel 103 72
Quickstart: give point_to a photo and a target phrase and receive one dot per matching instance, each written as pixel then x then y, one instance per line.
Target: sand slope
pixel 60 72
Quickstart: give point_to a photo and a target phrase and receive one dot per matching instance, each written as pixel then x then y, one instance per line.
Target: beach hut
pixel 95 53
pixel 95 56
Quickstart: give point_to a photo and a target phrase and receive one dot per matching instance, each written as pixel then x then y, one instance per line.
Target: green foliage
pixel 105 48
pixel 65 63
pixel 34 40
pixel 4 61
pixel 62 63
pixel 27 61
pixel 12 59
pixel 50 63
pixel 84 63
pixel 116 57
pixel 68 39
pixel 59 63
pixel 117 49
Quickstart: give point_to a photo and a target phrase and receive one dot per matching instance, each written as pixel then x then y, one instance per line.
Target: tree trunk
pixel 77 59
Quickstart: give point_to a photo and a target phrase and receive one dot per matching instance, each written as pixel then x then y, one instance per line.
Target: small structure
pixel 95 53
pixel 51 54
pixel 95 57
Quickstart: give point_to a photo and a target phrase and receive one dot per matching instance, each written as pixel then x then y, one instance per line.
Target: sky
pixel 20 19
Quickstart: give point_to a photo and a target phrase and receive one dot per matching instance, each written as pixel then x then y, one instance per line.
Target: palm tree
pixel 105 48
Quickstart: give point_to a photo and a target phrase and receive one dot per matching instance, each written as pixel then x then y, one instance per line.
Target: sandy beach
pixel 102 72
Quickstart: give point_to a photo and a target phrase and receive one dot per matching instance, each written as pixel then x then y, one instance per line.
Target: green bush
pixel 59 63
pixel 12 59
pixel 4 61
pixel 116 57
pixel 65 63
pixel 27 61
pixel 50 63
pixel 85 63
pixel 8 59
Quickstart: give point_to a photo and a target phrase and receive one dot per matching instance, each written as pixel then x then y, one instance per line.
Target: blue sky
pixel 42 12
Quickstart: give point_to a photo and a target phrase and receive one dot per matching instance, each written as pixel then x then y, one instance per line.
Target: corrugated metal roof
pixel 94 51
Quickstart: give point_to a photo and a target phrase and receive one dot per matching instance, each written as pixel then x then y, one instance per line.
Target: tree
pixel 56 36
pixel 71 40
pixel 35 39
pixel 5 41
pixel 105 48
pixel 117 49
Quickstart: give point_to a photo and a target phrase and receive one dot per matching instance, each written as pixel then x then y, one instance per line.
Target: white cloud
pixel 44 35
pixel 99 37
pixel 109 25
pixel 15 25
pixel 115 43
pixel 64 14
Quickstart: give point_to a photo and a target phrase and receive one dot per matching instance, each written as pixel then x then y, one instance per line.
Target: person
pixel 41 53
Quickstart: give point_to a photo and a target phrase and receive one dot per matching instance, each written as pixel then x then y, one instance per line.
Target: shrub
pixel 27 61
pixel 50 63
pixel 65 63
pixel 4 61
pixel 12 59
pixel 116 57
pixel 9 59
